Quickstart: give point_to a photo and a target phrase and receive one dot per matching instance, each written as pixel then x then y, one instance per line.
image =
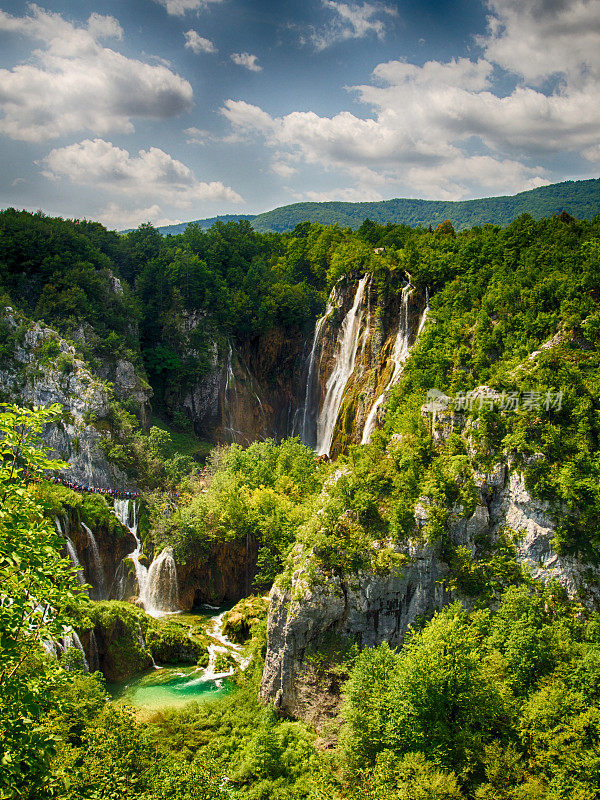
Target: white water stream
pixel 400 353
pixel 157 586
pixel 97 568
pixel 345 358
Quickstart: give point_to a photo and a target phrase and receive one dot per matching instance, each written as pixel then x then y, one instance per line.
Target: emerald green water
pixel 169 687
pixel 172 687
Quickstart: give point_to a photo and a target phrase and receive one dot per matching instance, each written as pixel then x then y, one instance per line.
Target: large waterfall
pixel 345 357
pixel 161 595
pixel 157 586
pixel 400 353
pixel 96 567
pixel 311 398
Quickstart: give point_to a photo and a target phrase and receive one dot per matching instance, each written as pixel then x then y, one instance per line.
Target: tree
pixel 38 585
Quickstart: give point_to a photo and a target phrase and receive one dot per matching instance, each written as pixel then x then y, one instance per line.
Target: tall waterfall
pixel 157 587
pixel 97 568
pixel 311 398
pixel 400 353
pixel 162 595
pixel 345 357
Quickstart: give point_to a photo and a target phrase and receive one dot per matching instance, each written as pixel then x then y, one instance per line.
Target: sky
pixel 128 111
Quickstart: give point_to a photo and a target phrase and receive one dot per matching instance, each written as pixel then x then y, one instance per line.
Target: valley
pixel 318 509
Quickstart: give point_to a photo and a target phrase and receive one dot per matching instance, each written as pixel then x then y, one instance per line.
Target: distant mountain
pixel 580 198
pixel 204 223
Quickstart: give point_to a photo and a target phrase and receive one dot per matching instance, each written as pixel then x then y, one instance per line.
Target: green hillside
pixel 580 198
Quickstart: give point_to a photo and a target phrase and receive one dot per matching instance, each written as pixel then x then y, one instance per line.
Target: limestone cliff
pixel 241 393
pixel 369 608
pixel 41 369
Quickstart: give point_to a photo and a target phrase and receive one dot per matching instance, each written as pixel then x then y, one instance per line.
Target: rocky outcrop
pixel 369 609
pixel 242 393
pixel 222 574
pixel 43 369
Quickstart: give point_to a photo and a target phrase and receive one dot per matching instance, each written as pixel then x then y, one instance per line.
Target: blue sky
pixel 171 110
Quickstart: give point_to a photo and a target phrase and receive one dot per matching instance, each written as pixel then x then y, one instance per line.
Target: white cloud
pixel 115 216
pixel 358 194
pixel 352 21
pixel 283 169
pixel 76 83
pixel 152 175
pixel 198 43
pixel 181 7
pixel 538 38
pixel 246 60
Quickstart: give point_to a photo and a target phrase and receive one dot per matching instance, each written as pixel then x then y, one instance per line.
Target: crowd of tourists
pixel 120 494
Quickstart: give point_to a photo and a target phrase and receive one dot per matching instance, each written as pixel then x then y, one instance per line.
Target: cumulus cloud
pixel 115 216
pixel 283 169
pixel 198 44
pixel 181 7
pixel 150 175
pixel 246 60
pixel 75 83
pixel 352 21
pixel 349 195
pixel 538 38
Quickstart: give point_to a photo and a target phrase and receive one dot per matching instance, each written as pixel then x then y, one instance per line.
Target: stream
pixel 174 686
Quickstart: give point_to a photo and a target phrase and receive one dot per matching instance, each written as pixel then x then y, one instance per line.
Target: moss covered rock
pixel 239 622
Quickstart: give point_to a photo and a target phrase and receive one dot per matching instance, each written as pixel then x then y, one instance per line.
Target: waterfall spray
pixel 72 553
pixel 161 595
pixel 345 357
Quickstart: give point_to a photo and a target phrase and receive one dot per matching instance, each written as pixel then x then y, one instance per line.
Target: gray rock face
pixel 368 609
pixel 35 377
pixel 371 609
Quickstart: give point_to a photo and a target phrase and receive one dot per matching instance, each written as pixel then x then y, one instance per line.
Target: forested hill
pixel 580 198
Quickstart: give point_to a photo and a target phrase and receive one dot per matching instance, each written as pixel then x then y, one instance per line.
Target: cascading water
pixel 72 553
pixel 72 640
pixel 157 587
pixel 311 398
pixel 126 513
pixel 400 353
pixel 98 584
pixel 345 357
pixel 161 595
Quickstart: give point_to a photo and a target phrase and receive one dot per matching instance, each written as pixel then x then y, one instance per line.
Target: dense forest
pixel 579 198
pixel 495 695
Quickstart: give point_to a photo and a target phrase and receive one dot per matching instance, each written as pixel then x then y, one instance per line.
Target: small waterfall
pixel 162 594
pixel 126 513
pixel 311 398
pixel 224 647
pixel 400 353
pixel 344 366
pixel 72 553
pixel 97 569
